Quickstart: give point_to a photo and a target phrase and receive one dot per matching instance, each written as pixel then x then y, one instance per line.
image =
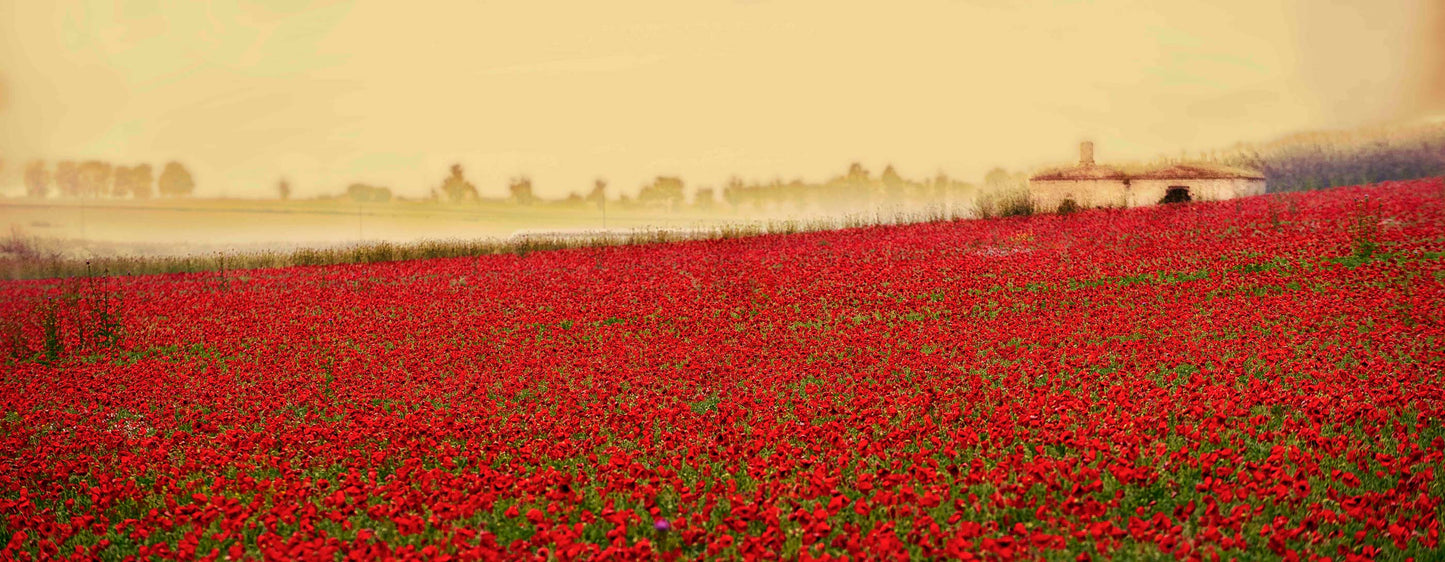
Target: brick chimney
pixel 1086 153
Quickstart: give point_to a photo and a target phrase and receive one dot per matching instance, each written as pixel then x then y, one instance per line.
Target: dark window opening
pixel 1176 194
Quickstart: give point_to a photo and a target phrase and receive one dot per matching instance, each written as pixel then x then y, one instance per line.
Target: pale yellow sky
pixel 391 93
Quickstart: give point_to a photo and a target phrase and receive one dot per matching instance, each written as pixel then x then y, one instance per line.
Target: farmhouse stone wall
pixel 1150 191
pixel 1049 194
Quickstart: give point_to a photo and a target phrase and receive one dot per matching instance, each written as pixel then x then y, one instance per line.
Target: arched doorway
pixel 1176 194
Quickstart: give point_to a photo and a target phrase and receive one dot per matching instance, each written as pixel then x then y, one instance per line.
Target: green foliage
pixel 705 405
pixel 1364 231
pixel 50 323
pixel 88 313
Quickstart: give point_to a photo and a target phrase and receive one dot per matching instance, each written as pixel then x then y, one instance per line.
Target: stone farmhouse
pixel 1092 185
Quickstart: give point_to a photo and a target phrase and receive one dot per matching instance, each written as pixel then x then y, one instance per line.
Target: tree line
pixel 96 179
pixel 1331 159
pixel 854 191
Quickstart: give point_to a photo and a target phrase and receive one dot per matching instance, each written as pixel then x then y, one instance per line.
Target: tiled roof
pixel 1175 171
pixel 1198 172
pixel 1081 173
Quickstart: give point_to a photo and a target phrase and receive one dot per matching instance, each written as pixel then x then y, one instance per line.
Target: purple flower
pixel 662 525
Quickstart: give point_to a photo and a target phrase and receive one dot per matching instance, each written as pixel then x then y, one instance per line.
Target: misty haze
pixel 296 124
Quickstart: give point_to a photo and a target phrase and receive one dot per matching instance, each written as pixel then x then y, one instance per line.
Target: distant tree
pixel 176 181
pixel 520 190
pixel 890 177
pixel 362 193
pixel 94 178
pixel 120 182
pixel 67 179
pixel 574 199
pixel 283 188
pixel 732 193
pixel 37 179
pixel 998 178
pixel 856 173
pixel 142 180
pixel 456 188
pixel 704 198
pixel 665 191
pixel 598 195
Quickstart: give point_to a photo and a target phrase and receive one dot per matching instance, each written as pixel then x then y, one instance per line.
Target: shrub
pixel 1320 161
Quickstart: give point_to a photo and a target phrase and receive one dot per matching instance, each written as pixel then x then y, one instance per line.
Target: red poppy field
pixel 1254 379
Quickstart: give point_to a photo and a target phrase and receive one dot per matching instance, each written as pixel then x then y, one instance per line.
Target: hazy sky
pixel 391 93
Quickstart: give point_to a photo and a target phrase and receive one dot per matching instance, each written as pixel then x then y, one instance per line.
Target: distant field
pixel 1256 379
pixel 188 226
